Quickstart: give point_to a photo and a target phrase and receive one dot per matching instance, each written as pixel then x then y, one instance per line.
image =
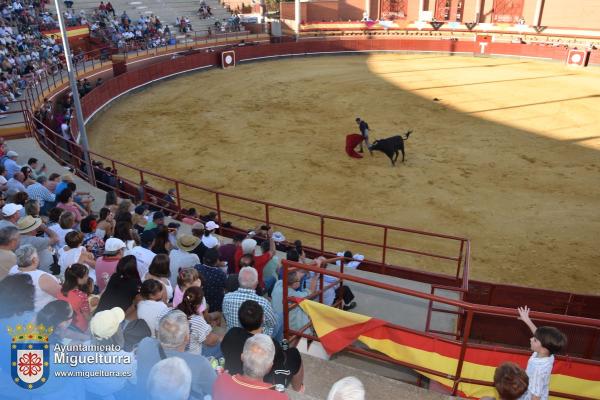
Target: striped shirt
pixel 234 300
pixel 39 192
pixel 199 330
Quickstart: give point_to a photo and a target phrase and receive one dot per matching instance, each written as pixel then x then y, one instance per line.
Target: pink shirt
pixel 73 209
pixel 105 267
pixel 178 298
pixel 81 308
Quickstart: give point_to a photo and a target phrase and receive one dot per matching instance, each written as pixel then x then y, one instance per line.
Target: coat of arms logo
pixel 30 355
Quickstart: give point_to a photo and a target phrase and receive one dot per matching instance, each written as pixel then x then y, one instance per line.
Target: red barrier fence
pixel 325 234
pixel 468 314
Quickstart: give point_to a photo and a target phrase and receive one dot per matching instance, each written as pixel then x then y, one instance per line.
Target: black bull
pixel 391 146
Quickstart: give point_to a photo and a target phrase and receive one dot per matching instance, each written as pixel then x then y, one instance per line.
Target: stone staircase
pixel 166 10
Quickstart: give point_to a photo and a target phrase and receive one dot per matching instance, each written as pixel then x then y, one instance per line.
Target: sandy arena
pixel 509 157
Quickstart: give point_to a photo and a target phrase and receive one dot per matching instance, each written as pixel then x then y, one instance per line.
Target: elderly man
pixel 298 318
pixel 38 191
pixel 248 280
pixel 287 364
pixel 29 227
pixel 170 379
pixel 11 213
pixel 172 338
pixel 9 241
pixel 257 358
pixel 15 184
pixel 348 388
pixel 11 164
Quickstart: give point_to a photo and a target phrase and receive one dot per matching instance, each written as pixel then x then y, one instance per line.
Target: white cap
pixel 248 246
pixel 211 226
pixel 113 245
pixel 210 241
pixel 10 209
pixel 106 323
pixel 12 154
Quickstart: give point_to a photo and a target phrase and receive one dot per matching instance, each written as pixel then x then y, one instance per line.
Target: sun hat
pixel 187 242
pixel 113 245
pixel 248 246
pixel 211 226
pixel 11 208
pixel 28 224
pixel 278 237
pixel 106 323
pixel 11 154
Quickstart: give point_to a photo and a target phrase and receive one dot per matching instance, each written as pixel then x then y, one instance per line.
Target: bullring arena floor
pixel 509 157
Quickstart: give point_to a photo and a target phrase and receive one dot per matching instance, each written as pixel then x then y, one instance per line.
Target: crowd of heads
pixel 120 274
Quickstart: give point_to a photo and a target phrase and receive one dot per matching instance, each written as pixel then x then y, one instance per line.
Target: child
pixel 510 382
pixel 546 341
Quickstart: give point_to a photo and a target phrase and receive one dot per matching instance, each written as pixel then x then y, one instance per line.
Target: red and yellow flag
pixel 338 329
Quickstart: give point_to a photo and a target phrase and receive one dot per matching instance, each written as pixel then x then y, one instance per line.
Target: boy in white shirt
pixel 546 341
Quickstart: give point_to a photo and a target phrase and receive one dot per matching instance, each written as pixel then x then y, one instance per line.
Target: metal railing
pixel 129 181
pixel 467 310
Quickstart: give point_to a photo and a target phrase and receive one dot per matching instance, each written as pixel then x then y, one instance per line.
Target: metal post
pixel 460 255
pixel 537 17
pixel 76 100
pixel 286 320
pixel 297 17
pixel 266 214
pixel 463 350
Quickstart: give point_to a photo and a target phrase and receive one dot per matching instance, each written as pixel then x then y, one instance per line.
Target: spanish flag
pixel 338 329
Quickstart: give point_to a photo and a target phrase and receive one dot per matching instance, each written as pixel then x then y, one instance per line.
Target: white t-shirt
pixel 538 370
pixel 180 259
pixel 61 235
pixel 151 311
pixel 41 298
pixel 143 257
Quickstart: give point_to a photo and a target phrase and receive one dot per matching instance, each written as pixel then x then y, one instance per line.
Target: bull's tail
pixel 407 134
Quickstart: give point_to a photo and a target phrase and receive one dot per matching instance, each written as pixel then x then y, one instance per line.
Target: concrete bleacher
pixel 166 10
pixel 383 380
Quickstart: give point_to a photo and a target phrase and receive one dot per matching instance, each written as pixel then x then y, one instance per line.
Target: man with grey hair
pixel 257 358
pixel 170 379
pixel 47 287
pixel 248 280
pixel 9 241
pixel 172 339
pixel 348 388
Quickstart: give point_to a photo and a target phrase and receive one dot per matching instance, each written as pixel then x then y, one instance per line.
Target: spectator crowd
pixel 196 315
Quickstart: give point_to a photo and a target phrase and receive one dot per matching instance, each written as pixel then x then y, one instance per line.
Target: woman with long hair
pixel 122 288
pixel 106 223
pixel 111 201
pixel 200 330
pixel 161 244
pixel 124 231
pixel 76 276
pixel 159 270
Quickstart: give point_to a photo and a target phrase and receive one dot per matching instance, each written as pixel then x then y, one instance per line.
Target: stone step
pixel 320 375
